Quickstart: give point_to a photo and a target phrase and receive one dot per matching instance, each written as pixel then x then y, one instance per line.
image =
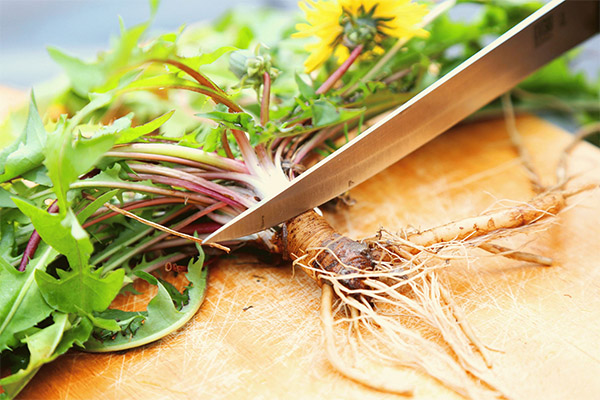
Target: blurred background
pixel 83 27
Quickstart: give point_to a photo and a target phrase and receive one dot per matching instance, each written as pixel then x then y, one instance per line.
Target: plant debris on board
pixel 161 140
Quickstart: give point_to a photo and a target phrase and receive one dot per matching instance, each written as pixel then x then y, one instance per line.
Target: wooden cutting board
pixel 258 333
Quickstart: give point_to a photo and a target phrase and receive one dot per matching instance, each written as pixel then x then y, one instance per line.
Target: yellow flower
pixel 341 25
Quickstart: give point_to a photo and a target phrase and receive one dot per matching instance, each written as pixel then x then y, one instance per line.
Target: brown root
pixel 516 255
pixel 376 285
pixel 561 168
pixel 336 359
pixel 308 237
pixel 421 330
pixel 517 141
pixel 545 205
pixel 392 305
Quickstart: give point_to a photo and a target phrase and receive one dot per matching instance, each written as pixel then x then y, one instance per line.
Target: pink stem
pixel 328 84
pixel 194 187
pixel 265 101
pixel 182 224
pixel 247 151
pixel 34 241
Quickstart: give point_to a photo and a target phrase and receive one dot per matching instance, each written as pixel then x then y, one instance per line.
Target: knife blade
pixel 553 29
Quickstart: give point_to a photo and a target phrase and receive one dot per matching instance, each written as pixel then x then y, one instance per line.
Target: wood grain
pixel 258 333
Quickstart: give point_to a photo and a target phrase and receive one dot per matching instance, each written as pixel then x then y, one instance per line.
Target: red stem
pixel 225 144
pixel 200 228
pixel 34 241
pixel 328 84
pixel 266 98
pixel 192 186
pixel 199 77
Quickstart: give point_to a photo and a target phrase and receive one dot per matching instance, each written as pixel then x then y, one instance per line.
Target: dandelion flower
pixel 342 25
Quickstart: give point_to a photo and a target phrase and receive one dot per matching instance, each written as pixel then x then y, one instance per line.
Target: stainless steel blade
pixel 549 32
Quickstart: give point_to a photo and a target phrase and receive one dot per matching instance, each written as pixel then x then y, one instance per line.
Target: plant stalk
pixel 328 84
pixel 266 99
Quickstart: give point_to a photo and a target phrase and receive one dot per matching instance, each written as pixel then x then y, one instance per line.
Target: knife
pixel 553 29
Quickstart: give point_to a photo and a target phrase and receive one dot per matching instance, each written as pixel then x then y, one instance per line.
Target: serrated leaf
pixel 163 318
pixel 67 159
pixel 104 323
pixel 45 346
pixel 81 288
pixel 159 81
pixel 41 345
pixel 209 138
pixel 77 334
pixel 61 231
pixel 21 303
pixel 87 76
pixel 84 76
pixel 26 152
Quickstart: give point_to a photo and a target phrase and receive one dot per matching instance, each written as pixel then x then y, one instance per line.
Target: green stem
pixel 188 153
pixel 136 187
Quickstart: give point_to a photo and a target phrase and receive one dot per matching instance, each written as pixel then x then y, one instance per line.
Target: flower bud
pixel 250 68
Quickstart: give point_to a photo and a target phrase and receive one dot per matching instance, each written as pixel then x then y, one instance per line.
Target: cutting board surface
pixel 258 333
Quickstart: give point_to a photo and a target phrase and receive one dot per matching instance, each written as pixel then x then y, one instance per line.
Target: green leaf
pixel 67 159
pixel 6 199
pixel 77 334
pixel 26 152
pixel 324 113
pixel 151 279
pixel 87 76
pixel 45 346
pixel 83 76
pixel 81 288
pixel 21 303
pixel 132 134
pixel 307 91
pixel 7 236
pixel 95 205
pixel 104 323
pixel 557 78
pixel 163 318
pixel 208 58
pixel 210 138
pixel 238 120
pixel 61 231
pixel 41 345
pixel 97 100
pixel 179 299
pixel 38 175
